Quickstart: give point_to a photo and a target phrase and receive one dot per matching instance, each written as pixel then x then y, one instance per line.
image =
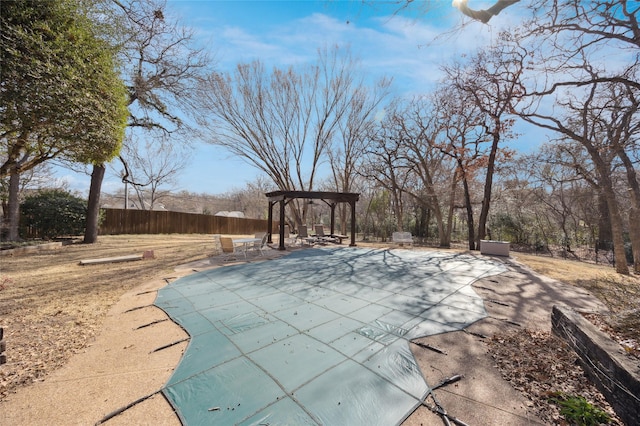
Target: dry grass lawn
pixel 619 293
pixel 51 307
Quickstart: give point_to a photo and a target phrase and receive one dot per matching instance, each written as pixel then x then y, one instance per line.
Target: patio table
pixel 245 243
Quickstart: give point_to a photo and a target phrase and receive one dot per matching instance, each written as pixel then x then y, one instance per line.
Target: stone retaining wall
pixel 613 372
pixel 31 249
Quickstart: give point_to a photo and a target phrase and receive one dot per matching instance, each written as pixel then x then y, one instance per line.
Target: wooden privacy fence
pixel 121 221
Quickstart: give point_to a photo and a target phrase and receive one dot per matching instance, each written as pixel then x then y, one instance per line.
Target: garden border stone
pixel 32 249
pixel 604 361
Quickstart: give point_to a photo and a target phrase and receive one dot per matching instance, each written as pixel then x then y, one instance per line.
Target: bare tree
pixel 562 191
pixel 282 121
pixel 407 162
pixel 577 75
pixel 435 173
pixel 151 166
pixel 491 80
pixel 160 67
pixel 382 165
pixel 621 124
pixel 517 199
pixel 588 121
pixel 352 139
pixel 462 137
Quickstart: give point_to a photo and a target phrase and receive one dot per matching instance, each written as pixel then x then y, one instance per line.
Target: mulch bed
pixel 540 365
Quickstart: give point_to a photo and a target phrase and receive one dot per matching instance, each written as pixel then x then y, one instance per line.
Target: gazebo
pixel 330 198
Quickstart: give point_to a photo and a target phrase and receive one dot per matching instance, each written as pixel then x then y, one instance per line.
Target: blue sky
pixel 408 46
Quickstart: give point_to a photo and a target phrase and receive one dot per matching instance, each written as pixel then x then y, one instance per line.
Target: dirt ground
pixel 51 307
pixel 540 365
pixel 619 293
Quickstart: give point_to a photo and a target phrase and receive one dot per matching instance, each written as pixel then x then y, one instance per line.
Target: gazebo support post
pixel 281 243
pixel 333 217
pixel 270 224
pixel 353 223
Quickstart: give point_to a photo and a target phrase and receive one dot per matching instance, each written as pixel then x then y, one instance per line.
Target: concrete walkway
pixel 516 299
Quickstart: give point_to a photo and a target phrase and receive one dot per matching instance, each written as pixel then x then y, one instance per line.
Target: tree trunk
pixel 471 227
pixel 93 206
pixel 452 202
pixel 634 231
pixel 634 192
pixel 470 222
pixel 427 224
pixel 5 207
pixel 605 236
pixel 442 233
pixel 616 227
pixel 398 209
pixel 488 185
pixel 14 206
pixel 606 190
pixel 422 229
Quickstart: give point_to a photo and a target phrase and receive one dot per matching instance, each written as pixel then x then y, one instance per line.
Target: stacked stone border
pixel 604 361
pixel 31 249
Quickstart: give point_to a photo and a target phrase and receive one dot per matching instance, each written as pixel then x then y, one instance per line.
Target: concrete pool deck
pixel 123 366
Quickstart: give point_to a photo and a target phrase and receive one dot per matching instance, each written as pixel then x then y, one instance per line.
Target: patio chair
pixel 320 235
pixel 217 246
pixel 259 246
pixel 228 249
pixel 303 235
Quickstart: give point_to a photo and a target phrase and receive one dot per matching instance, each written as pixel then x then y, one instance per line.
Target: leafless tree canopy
pixel 160 66
pixel 151 167
pixel 585 88
pixel 288 123
pixel 281 120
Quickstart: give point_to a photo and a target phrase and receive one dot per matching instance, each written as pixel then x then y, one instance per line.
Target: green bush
pixel 578 411
pixel 53 213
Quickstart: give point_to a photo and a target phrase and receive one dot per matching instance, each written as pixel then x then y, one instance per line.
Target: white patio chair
pixel 259 246
pixel 217 246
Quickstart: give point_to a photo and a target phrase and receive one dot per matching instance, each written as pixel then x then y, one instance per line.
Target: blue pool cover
pixel 320 336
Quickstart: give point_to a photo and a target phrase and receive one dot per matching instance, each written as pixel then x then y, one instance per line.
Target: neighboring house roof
pixel 230 214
